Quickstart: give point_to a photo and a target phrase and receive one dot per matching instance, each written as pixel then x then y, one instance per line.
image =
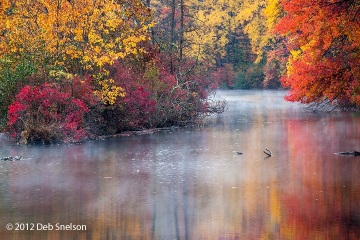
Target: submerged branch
pixel 268 152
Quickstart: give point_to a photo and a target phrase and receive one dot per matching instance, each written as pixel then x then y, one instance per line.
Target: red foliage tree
pixel 276 63
pixel 136 107
pixel 225 76
pixel 323 39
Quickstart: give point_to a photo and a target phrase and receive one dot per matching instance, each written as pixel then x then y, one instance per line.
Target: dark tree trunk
pixel 172 35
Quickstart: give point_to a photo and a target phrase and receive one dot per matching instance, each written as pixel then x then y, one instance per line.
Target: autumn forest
pixel 72 70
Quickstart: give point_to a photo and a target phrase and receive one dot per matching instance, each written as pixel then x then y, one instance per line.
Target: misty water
pixel 190 183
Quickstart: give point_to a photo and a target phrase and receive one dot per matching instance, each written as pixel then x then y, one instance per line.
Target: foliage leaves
pixel 81 37
pixel 323 41
pixel 50 113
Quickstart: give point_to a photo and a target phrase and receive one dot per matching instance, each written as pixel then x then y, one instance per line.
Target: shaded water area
pixel 190 183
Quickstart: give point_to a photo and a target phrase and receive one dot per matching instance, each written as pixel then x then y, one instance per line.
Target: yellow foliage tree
pixel 81 36
pixel 216 20
pixel 211 23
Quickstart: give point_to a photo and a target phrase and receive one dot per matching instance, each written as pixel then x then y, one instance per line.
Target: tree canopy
pixel 323 40
pixel 158 59
pixel 80 37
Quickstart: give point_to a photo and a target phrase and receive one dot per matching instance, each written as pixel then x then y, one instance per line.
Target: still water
pixel 190 183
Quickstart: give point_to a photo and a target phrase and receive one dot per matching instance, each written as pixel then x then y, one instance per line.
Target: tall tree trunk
pixel 181 40
pixel 148 4
pixel 172 36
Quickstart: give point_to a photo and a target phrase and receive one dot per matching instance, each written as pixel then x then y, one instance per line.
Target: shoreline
pixel 5 137
pixel 134 133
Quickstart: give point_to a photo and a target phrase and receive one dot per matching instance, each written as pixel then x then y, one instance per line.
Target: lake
pixel 191 183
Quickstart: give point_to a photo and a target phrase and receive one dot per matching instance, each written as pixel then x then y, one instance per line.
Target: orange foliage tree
pixel 323 41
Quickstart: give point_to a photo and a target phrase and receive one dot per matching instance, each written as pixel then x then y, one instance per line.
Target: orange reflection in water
pixel 321 197
pixel 195 187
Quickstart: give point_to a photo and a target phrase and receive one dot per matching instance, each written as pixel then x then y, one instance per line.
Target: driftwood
pixel 354 153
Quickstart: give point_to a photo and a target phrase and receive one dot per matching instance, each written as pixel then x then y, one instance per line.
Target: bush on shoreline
pixel 154 98
pixel 59 107
pixel 51 112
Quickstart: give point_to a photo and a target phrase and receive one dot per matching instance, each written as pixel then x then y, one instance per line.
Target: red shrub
pixel 51 112
pixel 138 106
pixel 155 97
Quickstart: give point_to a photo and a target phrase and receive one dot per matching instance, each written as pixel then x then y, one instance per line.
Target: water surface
pixel 190 183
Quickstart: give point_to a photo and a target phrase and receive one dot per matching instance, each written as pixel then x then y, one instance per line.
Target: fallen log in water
pixel 354 153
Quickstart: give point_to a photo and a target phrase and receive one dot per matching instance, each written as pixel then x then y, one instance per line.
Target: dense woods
pixel 70 69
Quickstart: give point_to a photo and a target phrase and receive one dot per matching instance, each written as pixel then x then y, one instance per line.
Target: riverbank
pixel 5 137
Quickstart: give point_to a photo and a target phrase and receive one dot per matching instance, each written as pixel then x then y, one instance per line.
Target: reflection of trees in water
pixel 323 191
pixel 190 185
